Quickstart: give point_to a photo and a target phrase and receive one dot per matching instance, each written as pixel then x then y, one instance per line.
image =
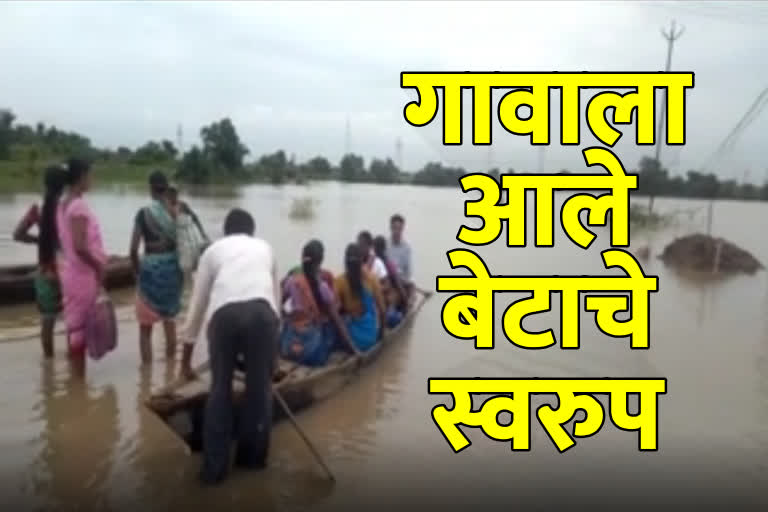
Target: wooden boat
pixel 181 405
pixel 16 282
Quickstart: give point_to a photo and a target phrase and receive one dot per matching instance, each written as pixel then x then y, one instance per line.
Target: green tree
pixel 6 133
pixel 651 179
pixel 169 149
pixel 384 171
pixel 275 167
pixel 352 167
pixel 318 168
pixel 222 145
pixel 149 153
pixel 195 167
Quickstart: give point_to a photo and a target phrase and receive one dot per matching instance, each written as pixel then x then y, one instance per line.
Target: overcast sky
pixel 289 74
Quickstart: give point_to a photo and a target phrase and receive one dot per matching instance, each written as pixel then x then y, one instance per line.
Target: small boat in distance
pixel 17 286
pixel 181 405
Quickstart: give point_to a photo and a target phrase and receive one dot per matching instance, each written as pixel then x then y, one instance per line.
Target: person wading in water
pixel 82 259
pixel 47 289
pixel 159 276
pixel 236 296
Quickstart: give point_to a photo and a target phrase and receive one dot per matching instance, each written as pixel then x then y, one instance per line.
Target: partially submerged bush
pixel 302 208
pixel 704 253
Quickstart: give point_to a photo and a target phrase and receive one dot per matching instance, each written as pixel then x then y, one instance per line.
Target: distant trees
pixel 6 123
pixel 221 154
pixel 152 153
pixel 352 168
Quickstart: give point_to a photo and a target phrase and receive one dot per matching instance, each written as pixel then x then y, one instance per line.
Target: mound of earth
pixel 697 252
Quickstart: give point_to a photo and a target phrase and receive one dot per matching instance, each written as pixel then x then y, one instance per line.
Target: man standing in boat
pixel 237 295
pixel 399 251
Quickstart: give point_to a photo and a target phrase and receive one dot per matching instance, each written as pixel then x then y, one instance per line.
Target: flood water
pixel 91 443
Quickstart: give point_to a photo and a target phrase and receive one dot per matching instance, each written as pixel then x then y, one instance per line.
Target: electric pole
pixel 671 36
pixel 399 153
pixel 347 138
pixel 179 140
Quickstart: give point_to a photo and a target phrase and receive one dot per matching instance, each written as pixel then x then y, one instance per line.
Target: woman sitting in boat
pixel 362 305
pixel 325 275
pixel 395 296
pixel 47 289
pixel 312 321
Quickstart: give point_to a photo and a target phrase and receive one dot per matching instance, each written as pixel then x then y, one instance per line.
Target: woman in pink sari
pixel 82 259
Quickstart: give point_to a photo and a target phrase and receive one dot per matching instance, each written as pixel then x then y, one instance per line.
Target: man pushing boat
pixel 237 296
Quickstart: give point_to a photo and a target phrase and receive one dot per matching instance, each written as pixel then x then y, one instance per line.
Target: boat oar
pixel 301 433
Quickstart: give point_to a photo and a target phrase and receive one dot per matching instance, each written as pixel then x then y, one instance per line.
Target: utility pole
pixel 179 139
pixel 348 138
pixel 399 153
pixel 671 36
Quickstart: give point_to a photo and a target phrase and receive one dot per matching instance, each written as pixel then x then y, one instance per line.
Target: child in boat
pixel 362 305
pixel 312 322
pixel 395 296
pixel 47 289
pixel 371 262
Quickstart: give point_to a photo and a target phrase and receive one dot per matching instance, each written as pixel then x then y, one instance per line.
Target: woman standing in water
pixel 159 275
pixel 82 259
pixel 362 305
pixel 47 290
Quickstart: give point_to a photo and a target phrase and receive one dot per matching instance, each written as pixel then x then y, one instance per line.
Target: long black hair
pixel 48 238
pixel 353 264
pixel 311 259
pixel 76 169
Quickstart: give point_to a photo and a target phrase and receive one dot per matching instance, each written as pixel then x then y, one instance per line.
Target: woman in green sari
pixel 159 276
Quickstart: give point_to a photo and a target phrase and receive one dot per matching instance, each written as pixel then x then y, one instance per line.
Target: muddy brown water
pixel 91 445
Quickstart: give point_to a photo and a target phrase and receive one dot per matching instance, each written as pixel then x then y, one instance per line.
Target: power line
pixel 671 36
pixel 749 18
pixel 730 140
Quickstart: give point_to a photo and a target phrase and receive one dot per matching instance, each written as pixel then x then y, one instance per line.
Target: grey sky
pixel 289 73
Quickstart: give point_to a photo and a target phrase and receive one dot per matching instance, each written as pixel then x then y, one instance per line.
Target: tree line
pixel 220 156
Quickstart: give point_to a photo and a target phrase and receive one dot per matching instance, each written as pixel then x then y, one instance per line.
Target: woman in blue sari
pixel 362 304
pixel 312 323
pixel 160 280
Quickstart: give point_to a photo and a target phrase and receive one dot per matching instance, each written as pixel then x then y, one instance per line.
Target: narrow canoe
pixel 17 286
pixel 181 405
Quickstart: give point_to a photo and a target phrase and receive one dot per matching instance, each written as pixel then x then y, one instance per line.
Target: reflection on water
pixel 65 441
pixel 77 442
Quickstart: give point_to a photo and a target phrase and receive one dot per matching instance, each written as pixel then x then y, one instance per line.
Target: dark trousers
pixel 248 330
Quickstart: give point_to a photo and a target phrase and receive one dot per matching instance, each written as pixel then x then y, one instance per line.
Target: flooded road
pixel 66 442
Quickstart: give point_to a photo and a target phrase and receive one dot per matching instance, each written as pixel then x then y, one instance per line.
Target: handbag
pixel 101 327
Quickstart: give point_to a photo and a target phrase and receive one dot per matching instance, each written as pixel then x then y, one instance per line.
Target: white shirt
pixel 236 268
pixel 378 268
